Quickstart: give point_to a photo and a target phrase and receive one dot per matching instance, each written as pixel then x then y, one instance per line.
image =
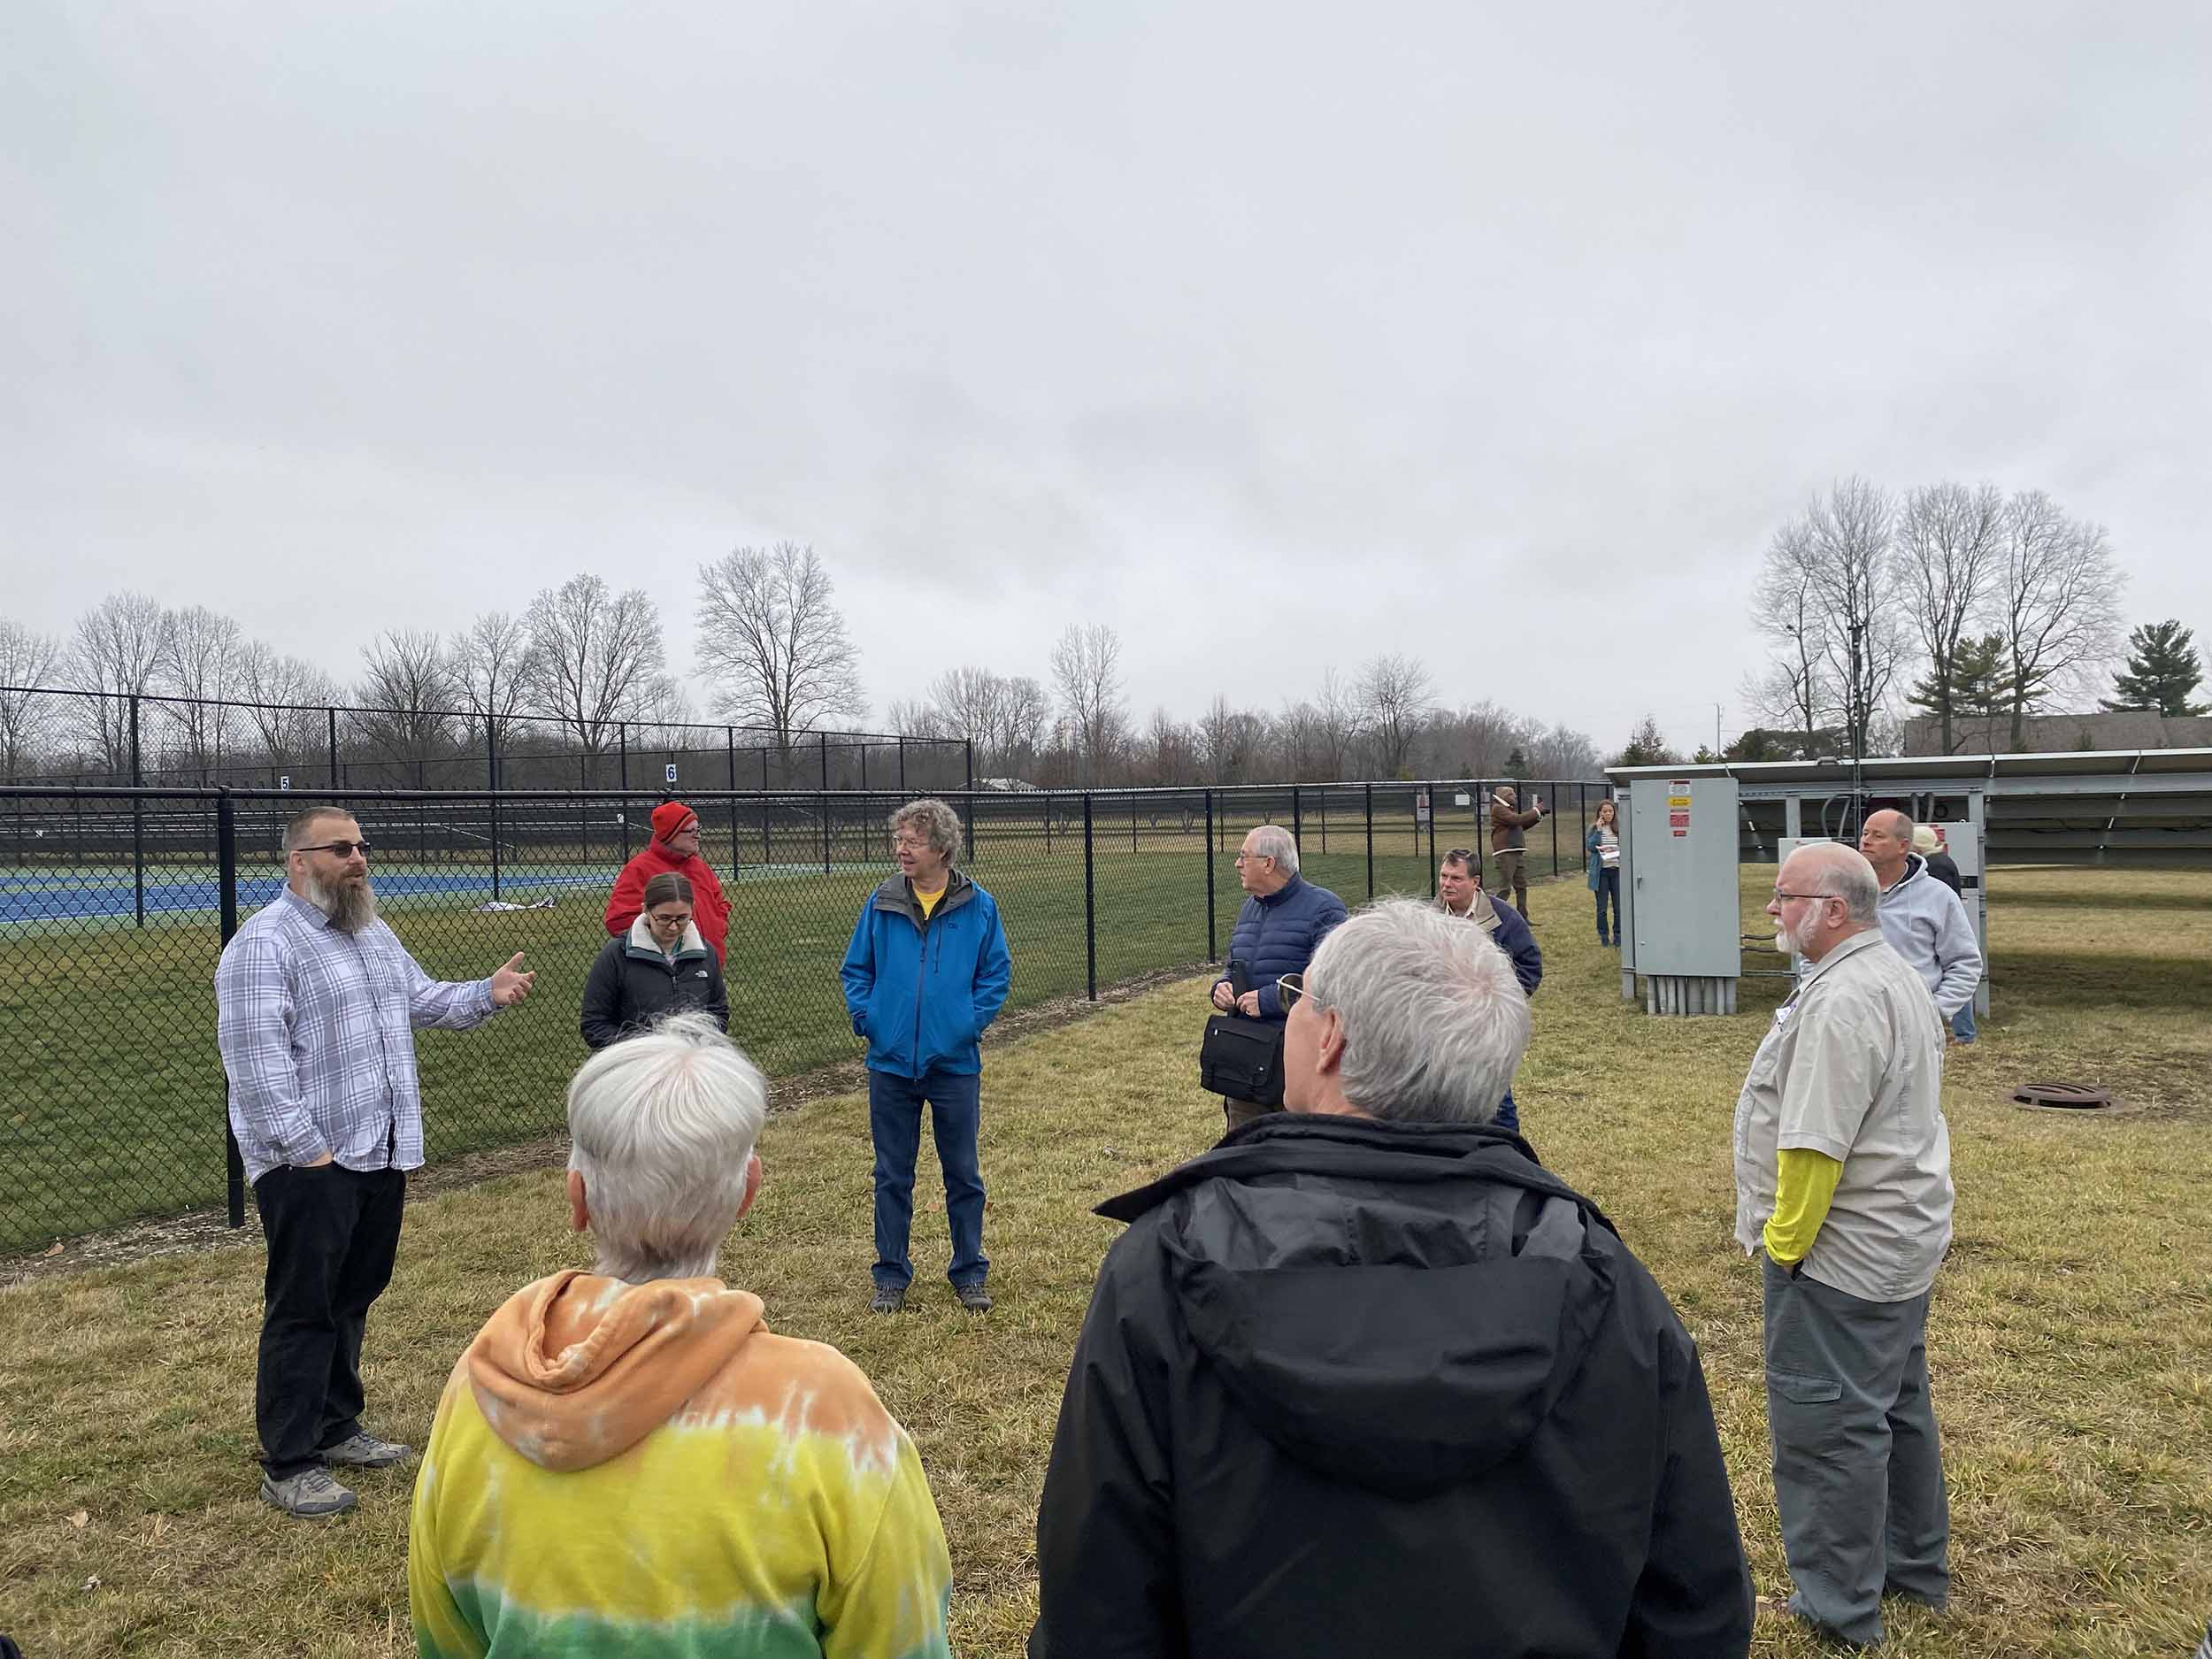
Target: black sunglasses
pixel 343 849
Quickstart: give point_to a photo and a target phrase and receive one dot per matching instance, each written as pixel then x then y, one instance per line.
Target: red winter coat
pixel 709 910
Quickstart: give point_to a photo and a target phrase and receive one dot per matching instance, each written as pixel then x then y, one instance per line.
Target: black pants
pixel 333 1233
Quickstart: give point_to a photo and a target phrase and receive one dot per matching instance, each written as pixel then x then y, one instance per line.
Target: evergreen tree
pixel 1517 764
pixel 1648 747
pixel 2162 672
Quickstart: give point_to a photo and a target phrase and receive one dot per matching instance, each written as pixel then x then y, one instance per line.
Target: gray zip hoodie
pixel 1926 924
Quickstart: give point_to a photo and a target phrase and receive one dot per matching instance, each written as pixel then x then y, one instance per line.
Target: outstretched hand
pixel 510 983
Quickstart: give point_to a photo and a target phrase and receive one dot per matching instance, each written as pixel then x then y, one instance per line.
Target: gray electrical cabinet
pixel 1681 900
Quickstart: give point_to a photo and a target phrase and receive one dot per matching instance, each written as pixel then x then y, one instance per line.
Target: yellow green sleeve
pixel 1805 1180
pixel 895 1599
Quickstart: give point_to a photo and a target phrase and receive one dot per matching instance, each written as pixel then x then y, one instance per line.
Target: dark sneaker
pixel 365 1451
pixel 887 1299
pixel 309 1493
pixel 975 1298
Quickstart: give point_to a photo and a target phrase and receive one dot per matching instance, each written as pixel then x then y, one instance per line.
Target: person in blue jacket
pixel 927 970
pixel 1285 917
pixel 1459 892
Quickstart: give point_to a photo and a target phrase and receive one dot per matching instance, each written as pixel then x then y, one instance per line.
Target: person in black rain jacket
pixel 660 965
pixel 1366 1379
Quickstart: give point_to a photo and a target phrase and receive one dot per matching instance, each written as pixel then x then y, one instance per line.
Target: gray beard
pixel 348 908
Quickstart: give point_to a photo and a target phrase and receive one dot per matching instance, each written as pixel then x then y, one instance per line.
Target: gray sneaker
pixel 887 1299
pixel 975 1298
pixel 365 1451
pixel 309 1493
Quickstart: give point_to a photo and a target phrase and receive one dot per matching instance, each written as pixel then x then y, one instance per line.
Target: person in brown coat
pixel 1509 839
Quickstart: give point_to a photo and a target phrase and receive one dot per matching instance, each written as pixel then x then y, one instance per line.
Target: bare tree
pixel 28 660
pixel 1558 751
pixel 772 643
pixel 2057 607
pixel 915 718
pixel 200 670
pixel 1950 548
pixel 1830 586
pixel 489 666
pixel 1395 697
pixel 1024 715
pixel 1087 671
pixel 1336 728
pixel 596 657
pixel 407 695
pixel 286 697
pixel 1793 691
pixel 117 647
pixel 1170 749
pixel 1474 742
pixel 1229 740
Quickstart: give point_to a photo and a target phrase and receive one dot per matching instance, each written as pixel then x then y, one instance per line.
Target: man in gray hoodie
pixel 1923 920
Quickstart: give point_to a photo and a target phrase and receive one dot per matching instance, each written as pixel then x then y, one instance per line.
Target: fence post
pixel 1554 816
pixel 1370 789
pixel 622 773
pixel 825 830
pixel 825 761
pixel 138 824
pixel 1297 815
pixel 226 881
pixel 336 783
pixel 968 743
pixel 1433 804
pixel 901 765
pixel 1090 907
pixel 1212 953
pixel 491 765
pixel 864 767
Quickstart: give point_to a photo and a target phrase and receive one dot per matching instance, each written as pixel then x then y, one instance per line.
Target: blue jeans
pixel 1963 1023
pixel 895 1122
pixel 1608 889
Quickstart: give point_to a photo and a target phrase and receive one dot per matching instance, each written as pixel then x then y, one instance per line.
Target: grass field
pixel 112 1105
pixel 2067 1342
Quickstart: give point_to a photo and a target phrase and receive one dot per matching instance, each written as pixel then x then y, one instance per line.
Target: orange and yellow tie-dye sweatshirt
pixel 647 1469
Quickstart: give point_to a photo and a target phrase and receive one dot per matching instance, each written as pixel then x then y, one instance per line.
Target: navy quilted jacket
pixel 1278 935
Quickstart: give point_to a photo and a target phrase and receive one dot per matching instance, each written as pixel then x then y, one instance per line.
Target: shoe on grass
pixel 309 1493
pixel 365 1451
pixel 975 1298
pixel 887 1299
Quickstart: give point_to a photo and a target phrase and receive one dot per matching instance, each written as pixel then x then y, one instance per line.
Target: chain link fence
pixel 115 903
pixel 108 740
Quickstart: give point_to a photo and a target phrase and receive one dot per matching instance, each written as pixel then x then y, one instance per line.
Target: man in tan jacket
pixel 1509 839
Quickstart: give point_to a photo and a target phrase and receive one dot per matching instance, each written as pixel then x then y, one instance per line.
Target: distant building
pixel 2056 734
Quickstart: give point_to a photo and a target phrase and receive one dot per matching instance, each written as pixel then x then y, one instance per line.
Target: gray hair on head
pixel 1272 840
pixel 937 822
pixel 1846 875
pixel 1434 1022
pixel 661 1127
pixel 300 825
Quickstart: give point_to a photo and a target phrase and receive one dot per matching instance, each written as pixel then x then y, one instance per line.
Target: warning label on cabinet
pixel 1678 808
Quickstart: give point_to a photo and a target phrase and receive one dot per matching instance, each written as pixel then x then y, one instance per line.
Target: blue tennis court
pixel 79 897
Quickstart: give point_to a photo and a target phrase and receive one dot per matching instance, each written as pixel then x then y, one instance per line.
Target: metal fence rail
pixel 115 904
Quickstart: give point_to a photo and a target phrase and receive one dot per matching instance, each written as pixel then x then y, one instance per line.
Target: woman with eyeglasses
pixel 1602 848
pixel 660 966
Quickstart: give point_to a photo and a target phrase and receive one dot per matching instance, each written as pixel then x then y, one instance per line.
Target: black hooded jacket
pixel 1349 1387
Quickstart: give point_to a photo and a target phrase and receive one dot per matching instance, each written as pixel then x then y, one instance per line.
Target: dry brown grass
pixel 2067 1342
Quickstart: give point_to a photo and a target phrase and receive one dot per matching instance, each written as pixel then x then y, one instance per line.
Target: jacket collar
pixel 1283 892
pixel 1914 866
pixel 897 894
pixel 641 942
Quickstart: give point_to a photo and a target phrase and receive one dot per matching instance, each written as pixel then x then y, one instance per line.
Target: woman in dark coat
pixel 660 966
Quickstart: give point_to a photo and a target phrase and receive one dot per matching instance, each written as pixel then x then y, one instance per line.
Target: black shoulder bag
pixel 1242 1058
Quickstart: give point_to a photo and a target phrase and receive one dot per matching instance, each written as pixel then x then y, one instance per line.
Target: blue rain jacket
pixel 921 992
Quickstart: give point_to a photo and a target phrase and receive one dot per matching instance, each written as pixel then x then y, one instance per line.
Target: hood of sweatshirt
pixel 577 1369
pixel 1396 1306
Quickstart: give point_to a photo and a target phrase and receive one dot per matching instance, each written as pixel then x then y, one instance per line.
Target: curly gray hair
pixel 939 825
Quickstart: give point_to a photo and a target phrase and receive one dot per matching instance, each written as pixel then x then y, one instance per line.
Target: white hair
pixel 1434 1022
pixel 1272 840
pixel 939 825
pixel 1845 874
pixel 662 1125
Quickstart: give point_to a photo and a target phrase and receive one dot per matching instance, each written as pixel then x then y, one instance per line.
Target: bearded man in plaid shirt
pixel 317 1004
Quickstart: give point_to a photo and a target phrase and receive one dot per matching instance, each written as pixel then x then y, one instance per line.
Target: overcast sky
pixel 1272 335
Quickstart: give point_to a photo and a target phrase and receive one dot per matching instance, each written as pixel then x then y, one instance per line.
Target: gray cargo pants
pixel 1858 1472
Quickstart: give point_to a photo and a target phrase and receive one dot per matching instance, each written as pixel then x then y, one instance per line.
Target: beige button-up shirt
pixel 1853 1068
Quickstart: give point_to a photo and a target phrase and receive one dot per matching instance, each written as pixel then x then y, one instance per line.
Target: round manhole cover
pixel 2078 1097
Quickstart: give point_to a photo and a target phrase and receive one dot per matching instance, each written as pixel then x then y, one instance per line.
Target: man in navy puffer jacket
pixel 1284 917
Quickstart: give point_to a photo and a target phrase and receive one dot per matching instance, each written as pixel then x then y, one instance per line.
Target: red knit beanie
pixel 669 817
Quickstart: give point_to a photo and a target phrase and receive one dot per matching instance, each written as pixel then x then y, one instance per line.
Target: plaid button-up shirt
pixel 316 1028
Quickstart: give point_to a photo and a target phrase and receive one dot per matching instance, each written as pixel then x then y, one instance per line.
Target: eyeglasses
pixel 1779 896
pixel 1290 988
pixel 1240 857
pixel 343 849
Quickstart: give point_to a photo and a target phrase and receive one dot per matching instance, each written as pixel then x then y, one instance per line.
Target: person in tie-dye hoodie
pixel 629 1461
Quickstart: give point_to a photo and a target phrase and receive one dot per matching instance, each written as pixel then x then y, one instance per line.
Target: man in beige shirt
pixel 1843 1181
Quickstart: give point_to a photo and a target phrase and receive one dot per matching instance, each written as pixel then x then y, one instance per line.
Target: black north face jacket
pixel 1352 1388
